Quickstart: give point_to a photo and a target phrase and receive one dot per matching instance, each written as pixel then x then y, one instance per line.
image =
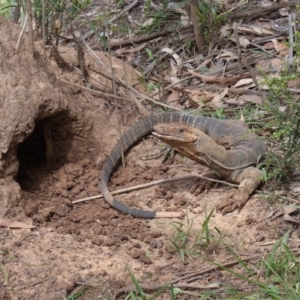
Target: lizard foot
pixel 204 184
pixel 231 202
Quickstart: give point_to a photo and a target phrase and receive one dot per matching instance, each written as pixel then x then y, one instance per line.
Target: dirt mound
pixel 54 139
pixel 45 129
pixel 29 96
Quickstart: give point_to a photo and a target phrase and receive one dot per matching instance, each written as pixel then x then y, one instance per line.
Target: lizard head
pixel 187 140
pixel 175 133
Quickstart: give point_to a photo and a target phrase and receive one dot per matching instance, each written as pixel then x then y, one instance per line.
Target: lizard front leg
pixel 249 179
pixel 203 184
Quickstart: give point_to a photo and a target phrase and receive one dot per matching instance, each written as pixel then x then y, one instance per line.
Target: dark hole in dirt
pixel 44 150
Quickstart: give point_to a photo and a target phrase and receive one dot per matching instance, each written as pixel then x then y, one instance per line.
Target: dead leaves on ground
pixel 258 44
pixel 243 43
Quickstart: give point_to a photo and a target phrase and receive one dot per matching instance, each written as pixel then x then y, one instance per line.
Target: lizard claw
pixel 231 202
pixel 204 185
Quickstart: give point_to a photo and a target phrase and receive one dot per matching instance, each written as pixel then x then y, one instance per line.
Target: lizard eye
pixel 180 130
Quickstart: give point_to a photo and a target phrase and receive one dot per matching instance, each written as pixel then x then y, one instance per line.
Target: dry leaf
pixel 130 49
pixel 254 29
pixel 295 186
pixel 175 56
pixel 157 95
pixel 14 224
pixel 294 83
pixel 216 102
pixel 238 103
pixel 196 96
pixel 185 20
pixel 286 211
pixel 268 46
pixel 289 218
pixel 266 3
pixel 224 31
pixel 221 80
pixel 282 49
pixel 289 209
pixel 273 64
pixel 284 11
pixel 252 99
pixel 244 42
pixel 174 69
pixel 205 63
pixel 226 54
pixel 173 99
pixel 193 100
pixel 148 22
pixel 244 82
pixel 129 52
pixel 175 7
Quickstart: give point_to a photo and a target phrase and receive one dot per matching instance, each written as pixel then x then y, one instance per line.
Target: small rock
pixel 146 260
pixel 180 200
pixel 124 238
pixel 148 239
pixel 109 242
pixel 137 245
pixel 96 240
pixel 156 244
pixel 197 210
pixel 136 254
pixel 168 256
pixel 156 234
pixel 133 235
pixel 97 228
pixel 169 195
pixel 169 249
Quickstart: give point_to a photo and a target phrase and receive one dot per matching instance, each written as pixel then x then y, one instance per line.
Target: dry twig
pixel 124 11
pixel 155 182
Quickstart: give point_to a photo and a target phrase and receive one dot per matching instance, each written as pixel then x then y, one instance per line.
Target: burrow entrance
pixel 45 150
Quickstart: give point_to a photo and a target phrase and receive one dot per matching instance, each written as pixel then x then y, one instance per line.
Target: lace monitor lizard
pixel 226 146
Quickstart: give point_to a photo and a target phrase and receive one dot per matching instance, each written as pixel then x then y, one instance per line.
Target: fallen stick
pixel 155 182
pixel 124 11
pixel 258 12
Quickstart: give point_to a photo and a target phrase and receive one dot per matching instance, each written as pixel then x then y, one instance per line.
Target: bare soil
pixel 90 243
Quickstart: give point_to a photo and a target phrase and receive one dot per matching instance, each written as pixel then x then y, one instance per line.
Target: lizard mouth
pixel 158 134
pixel 162 135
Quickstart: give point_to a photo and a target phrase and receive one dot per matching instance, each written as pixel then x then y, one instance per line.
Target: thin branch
pixel 257 12
pixel 29 12
pixel 124 11
pixel 195 275
pixel 291 39
pixel 30 285
pixel 237 40
pixel 44 32
pixel 155 182
pixel 22 32
pixel 114 87
pixel 98 93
